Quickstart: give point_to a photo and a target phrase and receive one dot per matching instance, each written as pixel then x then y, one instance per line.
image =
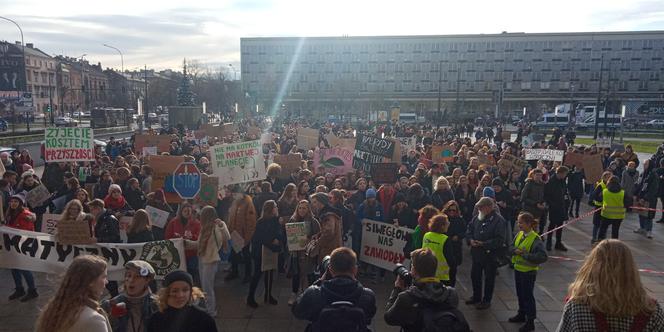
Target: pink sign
pixel 337 161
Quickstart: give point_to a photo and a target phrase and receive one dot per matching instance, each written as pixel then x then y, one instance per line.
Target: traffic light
pixel 48 109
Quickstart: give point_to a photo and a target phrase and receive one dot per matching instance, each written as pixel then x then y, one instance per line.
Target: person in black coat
pixel 134 195
pixel 456 232
pixel 554 195
pixel 265 195
pixel 504 200
pixel 575 190
pixel 443 193
pixel 402 213
pixel 107 230
pixel 268 234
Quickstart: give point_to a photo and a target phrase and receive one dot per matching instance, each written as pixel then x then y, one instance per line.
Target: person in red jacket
pixel 186 226
pixel 18 216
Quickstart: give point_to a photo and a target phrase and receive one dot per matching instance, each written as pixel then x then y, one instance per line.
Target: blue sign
pixel 187 180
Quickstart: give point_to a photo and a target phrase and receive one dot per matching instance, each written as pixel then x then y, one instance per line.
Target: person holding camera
pixel 337 301
pixel 486 235
pixel 427 304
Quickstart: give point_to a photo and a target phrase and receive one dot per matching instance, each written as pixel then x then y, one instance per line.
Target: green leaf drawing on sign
pixel 333 162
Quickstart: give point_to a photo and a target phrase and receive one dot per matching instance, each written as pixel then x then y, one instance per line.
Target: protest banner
pixel 592 167
pixel 269 259
pixel 162 175
pixel 383 244
pixel 161 142
pixel 209 190
pixel 396 155
pixel 371 150
pixel 41 252
pixel 237 241
pixel 573 159
pixel 296 236
pixel 289 163
pixel 442 153
pixel 511 163
pixel 544 154
pixel 158 217
pixel 150 151
pixel 266 138
pixel 50 223
pixel 73 231
pixel 37 196
pixel 485 159
pixel 617 147
pixel 69 144
pixel 337 161
pixel 2 169
pixel 384 173
pixel 603 142
pixel 238 162
pixel 307 138
pixel 407 144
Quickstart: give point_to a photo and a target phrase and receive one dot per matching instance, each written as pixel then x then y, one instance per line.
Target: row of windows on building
pixel 442 45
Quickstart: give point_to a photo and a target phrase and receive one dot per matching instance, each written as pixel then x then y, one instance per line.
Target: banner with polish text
pixel 383 244
pixel 69 144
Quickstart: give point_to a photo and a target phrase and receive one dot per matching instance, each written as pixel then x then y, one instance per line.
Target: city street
pixel 551 286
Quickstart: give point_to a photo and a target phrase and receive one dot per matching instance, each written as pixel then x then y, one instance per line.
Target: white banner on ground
pixel 383 244
pixel 544 154
pixel 41 252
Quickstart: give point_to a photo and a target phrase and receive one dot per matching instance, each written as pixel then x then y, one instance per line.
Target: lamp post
pixel 27 119
pixel 234 72
pixel 121 56
pixel 622 116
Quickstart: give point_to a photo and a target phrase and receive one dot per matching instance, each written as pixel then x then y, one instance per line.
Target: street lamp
pixel 120 52
pixel 622 116
pixel 27 118
pixel 234 72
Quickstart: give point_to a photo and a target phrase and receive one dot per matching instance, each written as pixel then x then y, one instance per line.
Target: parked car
pixel 657 123
pixel 65 121
pixel 81 114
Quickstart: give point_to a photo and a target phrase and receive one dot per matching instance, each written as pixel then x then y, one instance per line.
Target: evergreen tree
pixel 185 96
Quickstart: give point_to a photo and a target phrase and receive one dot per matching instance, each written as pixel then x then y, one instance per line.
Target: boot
pixel 560 246
pixel 548 243
pixel 528 327
pixel 32 294
pixel 18 293
pixel 519 318
pixel 251 302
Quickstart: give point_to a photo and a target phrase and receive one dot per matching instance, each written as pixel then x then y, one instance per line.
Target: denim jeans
pixel 525 284
pixel 27 275
pixel 645 223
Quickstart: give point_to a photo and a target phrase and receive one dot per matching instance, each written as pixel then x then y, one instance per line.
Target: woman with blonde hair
pixel 140 228
pixel 607 294
pixel 214 236
pixel 177 309
pixel 75 306
pixel 73 211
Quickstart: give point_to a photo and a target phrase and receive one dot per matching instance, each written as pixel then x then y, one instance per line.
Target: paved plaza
pixel 551 286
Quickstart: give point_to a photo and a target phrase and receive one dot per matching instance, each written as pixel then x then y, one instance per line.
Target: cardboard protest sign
pixel 50 223
pixel 161 142
pixel 158 217
pixel 296 235
pixel 574 159
pixel 544 154
pixel 289 163
pixel 442 153
pixel 337 161
pixel 37 196
pixel 617 147
pixel 254 131
pixel 506 135
pixel 407 144
pixel 162 176
pixel 384 173
pixel 396 155
pixel 69 144
pixel 307 138
pixel 209 191
pixel 2 169
pixel 485 159
pixel 527 141
pixel 238 162
pixel 150 151
pixel 164 256
pixel 237 241
pixel 511 163
pixel 371 150
pixel 269 259
pixel 593 167
pixel 383 244
pixel 72 231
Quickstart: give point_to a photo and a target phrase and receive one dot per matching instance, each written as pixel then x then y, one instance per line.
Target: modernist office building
pixel 323 76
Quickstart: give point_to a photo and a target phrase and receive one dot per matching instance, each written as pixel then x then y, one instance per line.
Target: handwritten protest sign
pixel 337 161
pixel 289 163
pixel 158 217
pixel 162 175
pixel 307 138
pixel 442 153
pixel 37 196
pixel 338 142
pixel 574 159
pixel 50 223
pixel 69 144
pixel 269 259
pixel 371 150
pixel 254 131
pixel 72 231
pixel 592 167
pixel 384 173
pixel 511 163
pixel 150 151
pixel 527 141
pixel 506 135
pixel 544 154
pixel 238 162
pixel 296 235
pixel 237 241
pixel 382 244
pixel 407 144
pixel 603 142
pixel 161 142
pixel 209 190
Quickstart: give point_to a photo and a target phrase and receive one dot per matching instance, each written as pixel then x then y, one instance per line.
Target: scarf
pixel 113 203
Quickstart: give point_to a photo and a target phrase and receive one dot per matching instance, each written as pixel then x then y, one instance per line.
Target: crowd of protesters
pixel 497 212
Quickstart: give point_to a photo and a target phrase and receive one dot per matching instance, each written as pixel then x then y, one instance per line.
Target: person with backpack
pixel 337 302
pixel 427 305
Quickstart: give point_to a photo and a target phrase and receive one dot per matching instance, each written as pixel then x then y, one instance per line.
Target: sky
pixel 160 34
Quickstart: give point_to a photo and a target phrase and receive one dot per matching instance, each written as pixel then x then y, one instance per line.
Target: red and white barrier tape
pixel 568 259
pixel 587 214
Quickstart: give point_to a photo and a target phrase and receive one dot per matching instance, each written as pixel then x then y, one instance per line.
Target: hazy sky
pixel 161 33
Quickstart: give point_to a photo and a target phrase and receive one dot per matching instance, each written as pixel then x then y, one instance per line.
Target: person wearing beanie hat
pixel 371 193
pixel 177 309
pixel 488 192
pixel 116 202
pixel 370 209
pixel 131 310
pixel 18 216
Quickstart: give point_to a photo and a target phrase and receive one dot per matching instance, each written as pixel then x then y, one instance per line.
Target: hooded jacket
pixel 404 307
pixel 532 194
pixel 309 305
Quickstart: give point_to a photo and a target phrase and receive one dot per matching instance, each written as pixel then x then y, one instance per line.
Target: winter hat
pixel 28 173
pixel 26 167
pixel 371 193
pixel 321 197
pixel 144 268
pixel 398 198
pixel 114 187
pixel 488 192
pixel 20 197
pixel 178 275
pixel 497 182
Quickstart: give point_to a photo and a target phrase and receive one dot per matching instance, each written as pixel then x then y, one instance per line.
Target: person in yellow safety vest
pixel 596 202
pixel 437 241
pixel 527 253
pixel 614 205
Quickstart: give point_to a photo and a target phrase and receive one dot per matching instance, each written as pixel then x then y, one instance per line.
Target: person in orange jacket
pixel 241 219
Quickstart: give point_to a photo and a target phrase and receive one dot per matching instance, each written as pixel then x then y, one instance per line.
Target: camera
pixel 401 271
pixel 320 271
